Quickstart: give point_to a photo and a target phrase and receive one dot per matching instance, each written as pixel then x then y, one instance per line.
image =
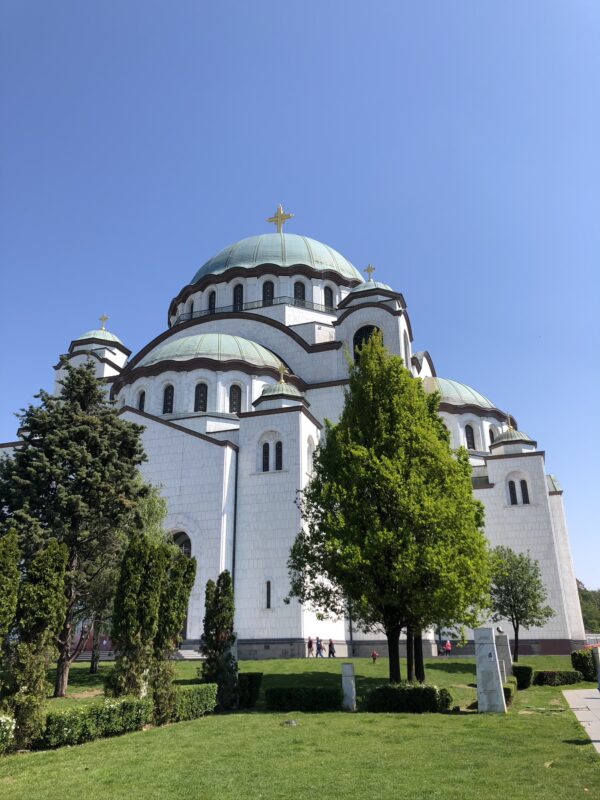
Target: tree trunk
pixel 393 640
pixel 94 661
pixel 516 658
pixel 419 662
pixel 410 655
pixel 64 662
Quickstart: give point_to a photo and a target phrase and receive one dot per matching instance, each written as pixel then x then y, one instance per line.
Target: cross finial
pixel 282 372
pixel 103 319
pixel 279 217
pixel 509 422
pixel 370 269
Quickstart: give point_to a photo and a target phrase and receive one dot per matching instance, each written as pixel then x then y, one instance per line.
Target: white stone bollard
pixel 348 688
pixel 490 695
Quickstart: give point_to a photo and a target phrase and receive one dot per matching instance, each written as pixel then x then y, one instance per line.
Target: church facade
pixel 232 396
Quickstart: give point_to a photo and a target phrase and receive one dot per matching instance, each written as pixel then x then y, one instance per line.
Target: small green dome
pixel 511 435
pixel 455 393
pixel 281 390
pixel 216 346
pixel 100 333
pixel 370 285
pixel 281 249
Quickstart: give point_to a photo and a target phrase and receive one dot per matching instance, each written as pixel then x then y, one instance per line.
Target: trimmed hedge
pixel 304 698
pixel 510 689
pixel 523 674
pixel 249 688
pixel 94 721
pixel 583 661
pixel 408 698
pixel 556 677
pixel 192 702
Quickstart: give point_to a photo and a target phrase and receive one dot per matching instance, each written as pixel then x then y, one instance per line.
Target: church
pixel 232 396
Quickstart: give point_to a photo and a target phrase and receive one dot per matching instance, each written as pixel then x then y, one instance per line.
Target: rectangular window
pixel 268 594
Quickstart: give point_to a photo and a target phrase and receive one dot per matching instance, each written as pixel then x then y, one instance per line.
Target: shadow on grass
pixel 450 667
pixel 577 741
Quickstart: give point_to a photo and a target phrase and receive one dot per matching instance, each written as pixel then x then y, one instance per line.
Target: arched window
pixel 328 296
pixel 200 397
pixel 168 395
pixel 299 293
pixel 268 587
pixel 191 307
pixel 361 336
pixel 141 400
pixel 182 540
pixel 268 293
pixel 512 491
pixel 491 432
pixel 470 436
pixel 238 297
pixel 235 399
pixel 265 457
pixel 278 456
pixel 406 351
pixel 524 493
pixel 212 302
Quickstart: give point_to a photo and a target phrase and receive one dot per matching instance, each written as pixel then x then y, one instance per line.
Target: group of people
pixel 320 648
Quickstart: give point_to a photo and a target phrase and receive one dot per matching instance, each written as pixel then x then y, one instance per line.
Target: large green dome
pixel 455 393
pixel 216 346
pixel 281 249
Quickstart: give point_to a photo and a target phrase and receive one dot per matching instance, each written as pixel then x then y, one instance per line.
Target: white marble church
pixel 232 396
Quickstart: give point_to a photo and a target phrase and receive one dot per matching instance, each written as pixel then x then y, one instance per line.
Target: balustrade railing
pixel 276 301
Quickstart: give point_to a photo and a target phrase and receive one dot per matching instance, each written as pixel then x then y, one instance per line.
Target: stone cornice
pixel 289 410
pixel 88 354
pixel 380 306
pixel 180 428
pixel 372 293
pixel 105 343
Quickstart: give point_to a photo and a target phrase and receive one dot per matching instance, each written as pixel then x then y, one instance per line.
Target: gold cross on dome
pixel 279 217
pixel 509 422
pixel 369 270
pixel 103 319
pixel 282 373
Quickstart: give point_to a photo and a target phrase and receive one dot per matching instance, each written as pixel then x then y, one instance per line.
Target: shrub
pixel 583 661
pixel 249 688
pixel 97 720
pixel 7 732
pixel 556 677
pixel 408 698
pixel 523 674
pixel 195 701
pixel 304 698
pixel 510 689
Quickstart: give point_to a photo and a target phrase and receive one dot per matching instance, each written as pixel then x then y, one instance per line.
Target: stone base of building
pixel 529 647
pixel 249 649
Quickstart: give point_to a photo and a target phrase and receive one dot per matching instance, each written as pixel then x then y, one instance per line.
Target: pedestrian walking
pixel 309 648
pixel 447 647
pixel 330 649
pixel 319 648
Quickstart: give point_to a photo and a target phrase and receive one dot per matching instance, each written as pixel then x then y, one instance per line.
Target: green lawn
pixel 537 751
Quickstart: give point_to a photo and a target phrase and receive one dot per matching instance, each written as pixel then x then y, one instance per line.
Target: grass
pixel 537 751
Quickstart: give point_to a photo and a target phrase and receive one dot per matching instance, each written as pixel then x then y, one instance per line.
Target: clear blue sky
pixel 456 146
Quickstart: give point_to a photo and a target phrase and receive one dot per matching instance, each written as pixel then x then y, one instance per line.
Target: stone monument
pixel 348 688
pixel 504 654
pixel 490 694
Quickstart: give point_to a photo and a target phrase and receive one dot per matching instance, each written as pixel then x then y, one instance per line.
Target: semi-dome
pixel 455 393
pixel 282 250
pixel 99 333
pixel 216 346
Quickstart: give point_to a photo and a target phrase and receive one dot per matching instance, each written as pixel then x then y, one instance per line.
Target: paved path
pixel 585 704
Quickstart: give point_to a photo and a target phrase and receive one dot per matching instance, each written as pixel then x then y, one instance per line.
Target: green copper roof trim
pixel 281 249
pixel 511 435
pixel 281 390
pixel 216 346
pixel 370 285
pixel 455 393
pixel 100 333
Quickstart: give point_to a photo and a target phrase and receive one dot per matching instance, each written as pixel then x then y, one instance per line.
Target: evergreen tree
pixel 73 477
pixel 390 523
pixel 220 666
pixel 9 582
pixel 517 591
pixel 590 607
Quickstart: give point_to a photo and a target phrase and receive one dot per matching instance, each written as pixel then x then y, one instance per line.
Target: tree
pixel 9 582
pixel 390 523
pixel 73 477
pixel 220 666
pixel 590 607
pixel 517 591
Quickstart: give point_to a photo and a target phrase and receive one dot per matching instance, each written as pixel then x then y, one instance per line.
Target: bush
pixel 510 689
pixel 523 674
pixel 97 720
pixel 556 677
pixel 195 701
pixel 304 698
pixel 7 732
pixel 583 661
pixel 249 688
pixel 407 698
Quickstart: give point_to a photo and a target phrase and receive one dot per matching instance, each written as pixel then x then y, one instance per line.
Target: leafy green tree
pixel 39 616
pixel 590 607
pixel 73 477
pixel 220 666
pixel 9 582
pixel 517 591
pixel 390 523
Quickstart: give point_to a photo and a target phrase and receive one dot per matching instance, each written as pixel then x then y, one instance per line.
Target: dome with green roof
pixel 512 435
pixel 455 393
pixel 215 346
pixel 281 390
pixel 99 333
pixel 282 250
pixel 368 286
